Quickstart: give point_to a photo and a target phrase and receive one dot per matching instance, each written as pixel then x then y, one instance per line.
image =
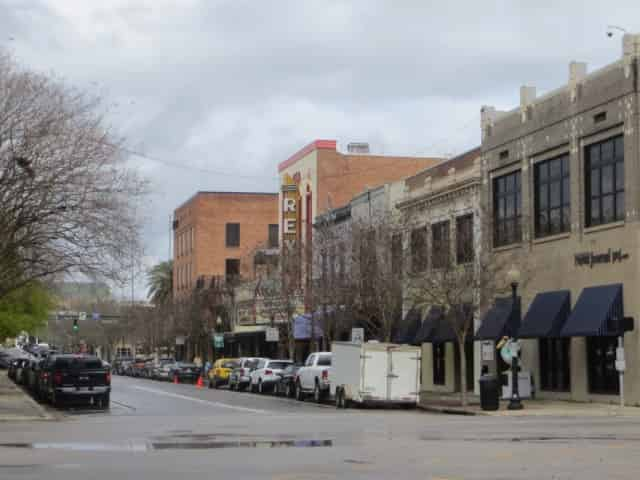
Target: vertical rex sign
pixel 290 227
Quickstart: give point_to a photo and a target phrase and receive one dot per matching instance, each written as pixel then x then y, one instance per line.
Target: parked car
pixel 313 377
pixel 184 372
pixel 120 364
pixel 16 367
pixel 239 378
pixel 267 374
pixel 220 371
pixel 137 368
pixel 73 379
pixel 286 384
pixel 158 372
pixel 36 376
pixel 147 369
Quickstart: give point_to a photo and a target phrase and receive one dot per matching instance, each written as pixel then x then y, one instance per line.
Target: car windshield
pixel 278 365
pixel 324 361
pixel 251 363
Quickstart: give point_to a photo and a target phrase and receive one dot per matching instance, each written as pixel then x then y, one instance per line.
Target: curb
pixel 451 410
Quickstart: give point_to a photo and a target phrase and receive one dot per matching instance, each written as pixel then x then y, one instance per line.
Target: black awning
pixel 546 315
pixel 409 327
pixel 443 332
pixel 426 330
pixel 598 312
pixel 501 320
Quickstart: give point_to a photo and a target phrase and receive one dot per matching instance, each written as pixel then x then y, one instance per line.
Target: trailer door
pixel 374 374
pixel 404 375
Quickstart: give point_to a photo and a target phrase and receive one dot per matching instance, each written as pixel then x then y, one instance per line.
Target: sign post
pixel 620 367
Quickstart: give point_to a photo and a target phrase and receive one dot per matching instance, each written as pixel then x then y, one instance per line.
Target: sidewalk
pixel 450 404
pixel 16 405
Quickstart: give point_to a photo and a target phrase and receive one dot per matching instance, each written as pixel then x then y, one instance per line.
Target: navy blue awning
pixel 425 331
pixel 596 312
pixel 409 327
pixel 546 315
pixel 501 320
pixel 443 332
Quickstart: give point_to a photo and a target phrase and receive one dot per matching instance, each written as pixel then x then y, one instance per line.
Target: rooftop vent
pixel 358 147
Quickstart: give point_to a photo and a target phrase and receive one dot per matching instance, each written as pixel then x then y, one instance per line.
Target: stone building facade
pixel 561 177
pixel 441 205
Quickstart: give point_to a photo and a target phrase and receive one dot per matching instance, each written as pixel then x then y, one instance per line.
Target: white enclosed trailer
pixel 375 373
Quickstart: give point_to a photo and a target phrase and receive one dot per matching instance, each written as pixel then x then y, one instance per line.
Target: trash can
pixel 489 392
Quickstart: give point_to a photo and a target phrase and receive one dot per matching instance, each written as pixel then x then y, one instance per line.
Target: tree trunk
pixel 463 372
pixel 292 340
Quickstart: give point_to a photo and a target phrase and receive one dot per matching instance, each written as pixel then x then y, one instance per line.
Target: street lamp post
pixel 514 401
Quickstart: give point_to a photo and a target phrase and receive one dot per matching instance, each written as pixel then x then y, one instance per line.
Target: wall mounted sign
pixel 290 219
pixel 589 259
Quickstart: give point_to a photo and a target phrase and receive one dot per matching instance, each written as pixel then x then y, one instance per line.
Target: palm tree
pixel 160 283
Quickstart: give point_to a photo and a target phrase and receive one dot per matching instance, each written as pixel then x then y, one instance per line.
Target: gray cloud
pixel 236 86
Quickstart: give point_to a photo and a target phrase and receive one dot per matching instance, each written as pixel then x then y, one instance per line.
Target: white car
pixel 240 377
pixel 267 374
pixel 313 378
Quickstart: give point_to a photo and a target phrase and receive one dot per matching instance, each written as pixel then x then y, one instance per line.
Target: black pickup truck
pixel 76 379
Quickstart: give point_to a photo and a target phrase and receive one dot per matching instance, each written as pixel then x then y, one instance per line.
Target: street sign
pixel 180 340
pixel 218 341
pixel 510 350
pixel 487 351
pixel 95 316
pixel 82 316
pixel 272 334
pixel 357 335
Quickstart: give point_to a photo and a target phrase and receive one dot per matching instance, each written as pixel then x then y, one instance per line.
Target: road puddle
pixel 204 442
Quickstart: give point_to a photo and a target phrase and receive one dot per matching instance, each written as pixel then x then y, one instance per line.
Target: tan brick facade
pixel 200 247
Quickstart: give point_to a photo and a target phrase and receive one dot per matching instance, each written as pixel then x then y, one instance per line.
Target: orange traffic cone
pixel 199 383
pixel 175 379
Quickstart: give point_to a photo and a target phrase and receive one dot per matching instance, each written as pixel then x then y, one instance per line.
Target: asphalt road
pixel 164 431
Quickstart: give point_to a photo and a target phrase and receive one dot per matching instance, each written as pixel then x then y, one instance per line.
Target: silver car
pixel 240 378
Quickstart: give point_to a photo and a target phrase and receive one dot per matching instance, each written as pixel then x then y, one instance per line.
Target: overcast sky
pixel 227 89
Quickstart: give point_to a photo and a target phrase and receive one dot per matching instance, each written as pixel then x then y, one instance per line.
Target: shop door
pixel 601 358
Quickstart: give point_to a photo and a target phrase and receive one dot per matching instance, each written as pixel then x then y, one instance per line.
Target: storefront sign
pixel 290 201
pixel 487 351
pixel 357 335
pixel 589 259
pixel 272 334
pixel 218 341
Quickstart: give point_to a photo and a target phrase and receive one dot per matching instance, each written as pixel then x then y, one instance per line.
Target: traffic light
pixel 75 325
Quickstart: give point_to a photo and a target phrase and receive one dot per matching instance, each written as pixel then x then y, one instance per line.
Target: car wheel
pixel 299 392
pixel 105 402
pixel 317 394
pixel 288 391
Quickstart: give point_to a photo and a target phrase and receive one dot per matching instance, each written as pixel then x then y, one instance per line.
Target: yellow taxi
pixel 219 373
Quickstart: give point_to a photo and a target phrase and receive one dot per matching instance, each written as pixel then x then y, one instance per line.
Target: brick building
pixel 216 232
pixel 318 178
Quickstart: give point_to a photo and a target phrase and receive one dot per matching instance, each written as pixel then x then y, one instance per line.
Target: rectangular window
pixel 507 209
pixel 273 236
pixel 601 365
pixel 464 239
pixel 555 361
pixel 232 269
pixel 440 246
pixel 419 249
pixel 552 196
pixel 604 182
pixel 233 235
pixel 396 254
pixel 438 352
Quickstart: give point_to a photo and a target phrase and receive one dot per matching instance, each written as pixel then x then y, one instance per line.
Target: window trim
pixel 565 197
pixel 518 235
pixel 441 254
pixel 615 192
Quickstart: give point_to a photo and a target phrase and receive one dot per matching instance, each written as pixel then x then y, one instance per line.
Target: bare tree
pixel 67 197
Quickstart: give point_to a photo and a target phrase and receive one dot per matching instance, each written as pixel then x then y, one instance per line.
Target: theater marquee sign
pixel 290 215
pixel 589 259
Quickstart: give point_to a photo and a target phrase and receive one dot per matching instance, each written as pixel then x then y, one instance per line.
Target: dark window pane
pixel 566 219
pixel 501 208
pixel 554 194
pixel 510 179
pixel 620 176
pixel 543 223
pixel 518 204
pixel 565 165
pixel 501 185
pixel 595 183
pixel 619 148
pixel 555 168
pixel 620 208
pixel 607 209
pixel 595 211
pixel 510 208
pixel 517 175
pixel 607 179
pixel 594 155
pixel 543 196
pixel 554 221
pixel 606 152
pixel 273 235
pixel 566 191
pixel 543 171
